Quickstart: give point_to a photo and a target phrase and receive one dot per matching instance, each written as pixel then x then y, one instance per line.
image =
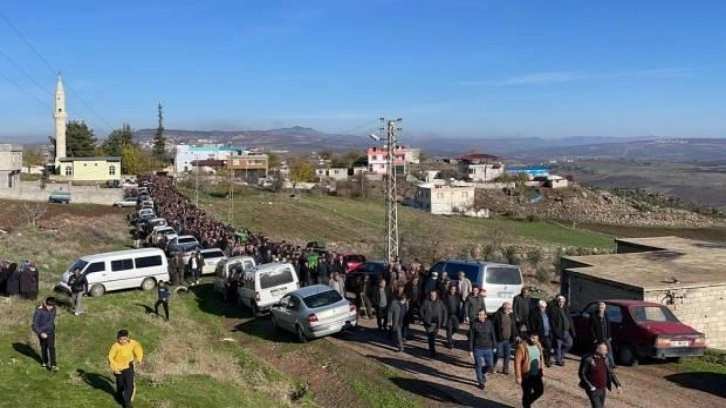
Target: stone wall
pixel 703 308
pixel 30 191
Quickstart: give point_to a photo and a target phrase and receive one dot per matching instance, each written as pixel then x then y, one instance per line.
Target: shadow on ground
pixel 414 367
pixel 28 351
pixel 211 302
pixel 712 383
pixel 443 393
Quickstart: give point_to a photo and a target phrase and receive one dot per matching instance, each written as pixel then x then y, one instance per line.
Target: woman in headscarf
pixel 13 286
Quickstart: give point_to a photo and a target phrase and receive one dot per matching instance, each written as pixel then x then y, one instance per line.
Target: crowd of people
pixel 20 280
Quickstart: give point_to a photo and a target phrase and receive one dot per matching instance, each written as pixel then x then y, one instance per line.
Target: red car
pixel 352 261
pixel 642 329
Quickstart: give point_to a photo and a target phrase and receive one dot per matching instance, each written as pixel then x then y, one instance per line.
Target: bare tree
pixel 32 212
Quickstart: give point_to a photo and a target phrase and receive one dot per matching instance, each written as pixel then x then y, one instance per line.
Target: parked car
pixel 265 285
pixel 501 281
pixel 313 312
pixel 642 329
pixel 110 271
pixel 374 270
pixel 126 202
pixel 60 197
pixel 225 269
pixel 184 244
pixel 211 256
pixel 351 261
pixel 165 230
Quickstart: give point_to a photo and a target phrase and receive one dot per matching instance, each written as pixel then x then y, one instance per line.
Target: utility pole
pixel 230 195
pixel 391 127
pixel 196 188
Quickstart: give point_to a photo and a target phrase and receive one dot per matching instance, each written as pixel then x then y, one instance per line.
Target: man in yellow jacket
pixel 122 356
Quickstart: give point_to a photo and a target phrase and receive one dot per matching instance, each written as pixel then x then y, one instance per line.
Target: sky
pixel 456 68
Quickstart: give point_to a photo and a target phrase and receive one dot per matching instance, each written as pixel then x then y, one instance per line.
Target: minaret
pixel 60 117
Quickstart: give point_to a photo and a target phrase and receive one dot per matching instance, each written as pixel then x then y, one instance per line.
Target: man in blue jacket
pixel 163 300
pixel 44 327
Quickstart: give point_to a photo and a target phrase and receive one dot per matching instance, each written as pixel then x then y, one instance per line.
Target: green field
pixel 357 225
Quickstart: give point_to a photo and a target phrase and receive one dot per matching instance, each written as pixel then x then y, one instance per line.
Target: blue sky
pixel 458 67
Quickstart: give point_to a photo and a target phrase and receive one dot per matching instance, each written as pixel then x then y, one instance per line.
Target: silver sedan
pixel 313 312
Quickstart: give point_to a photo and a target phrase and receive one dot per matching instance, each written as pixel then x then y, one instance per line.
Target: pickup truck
pixel 60 197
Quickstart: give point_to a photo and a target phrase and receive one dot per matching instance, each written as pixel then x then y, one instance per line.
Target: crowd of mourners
pixel 536 333
pixel 20 280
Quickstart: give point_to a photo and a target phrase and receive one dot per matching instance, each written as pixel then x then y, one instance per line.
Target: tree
pixel 32 156
pixel 326 154
pixel 80 141
pixel 159 138
pixel 32 212
pixel 301 170
pixel 118 138
pixel 135 160
pixel 273 160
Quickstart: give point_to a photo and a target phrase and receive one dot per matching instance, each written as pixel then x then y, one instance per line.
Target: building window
pixel 112 170
pixel 69 171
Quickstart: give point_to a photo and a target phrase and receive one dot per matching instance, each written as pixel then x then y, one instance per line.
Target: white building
pixel 335 173
pixel 11 162
pixel 185 154
pixel 555 182
pixel 403 157
pixel 480 167
pixel 444 199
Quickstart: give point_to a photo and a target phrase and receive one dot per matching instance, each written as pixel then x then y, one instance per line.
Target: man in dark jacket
pixel 563 329
pixel 521 308
pixel 482 343
pixel 597 376
pixel 472 304
pixel 13 282
pixel 433 314
pixel 381 301
pixel 44 327
pixel 79 287
pixel 27 281
pixel 162 299
pixel 398 311
pixel 600 329
pixel 539 323
pixel 505 329
pixel 452 302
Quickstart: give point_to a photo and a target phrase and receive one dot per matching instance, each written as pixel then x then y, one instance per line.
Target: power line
pixel 23 89
pixel 52 70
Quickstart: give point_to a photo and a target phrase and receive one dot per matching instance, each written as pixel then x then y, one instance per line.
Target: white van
pixel 110 271
pixel 501 281
pixel 225 269
pixel 265 285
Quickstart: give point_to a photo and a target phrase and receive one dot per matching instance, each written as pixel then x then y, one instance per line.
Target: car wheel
pixel 300 334
pixel 97 290
pixel 627 355
pixel 148 284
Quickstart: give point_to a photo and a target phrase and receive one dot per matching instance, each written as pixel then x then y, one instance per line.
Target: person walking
pixel 79 287
pixel 196 262
pixel 180 268
pixel 381 301
pixel 433 314
pixel 563 329
pixel 44 327
pixel 452 302
pixel 464 286
pixel 122 357
pixel 528 370
pixel 597 376
pixel 363 290
pixel 472 304
pixel 600 330
pixel 399 310
pixel 521 307
pixel 539 323
pixel 505 330
pixel 482 343
pixel 162 299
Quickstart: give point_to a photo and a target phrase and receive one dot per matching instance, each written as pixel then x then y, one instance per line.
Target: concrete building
pixel 335 173
pixel 403 157
pixel 185 154
pixel 96 169
pixel 11 163
pixel 443 199
pixel 684 274
pixel 250 166
pixel 480 167
pixel 553 181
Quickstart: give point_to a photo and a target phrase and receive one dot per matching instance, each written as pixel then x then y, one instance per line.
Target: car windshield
pixel 187 240
pixel 276 277
pixel 322 299
pixel 79 264
pixel 189 247
pixel 658 314
pixel 503 275
pixel 213 254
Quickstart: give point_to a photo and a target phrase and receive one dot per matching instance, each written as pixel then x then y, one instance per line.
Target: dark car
pixel 374 269
pixel 60 197
pixel 642 329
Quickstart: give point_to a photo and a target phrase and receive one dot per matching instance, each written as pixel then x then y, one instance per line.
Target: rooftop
pixel 69 159
pixel 479 157
pixel 7 147
pixel 665 263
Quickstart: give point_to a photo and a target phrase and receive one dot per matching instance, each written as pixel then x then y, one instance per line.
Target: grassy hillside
pixel 187 364
pixel 358 224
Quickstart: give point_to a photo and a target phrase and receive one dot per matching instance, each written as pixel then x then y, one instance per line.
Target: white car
pixel 165 230
pixel 126 202
pixel 226 267
pixel 211 257
pixel 265 285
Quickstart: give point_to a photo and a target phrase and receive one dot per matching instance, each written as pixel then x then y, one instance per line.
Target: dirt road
pixel 452 372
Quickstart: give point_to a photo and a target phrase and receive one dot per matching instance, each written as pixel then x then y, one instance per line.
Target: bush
pixel 534 256
pixel 543 273
pixel 511 255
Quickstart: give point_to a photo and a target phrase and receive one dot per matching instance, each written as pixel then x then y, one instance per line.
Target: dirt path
pixel 453 373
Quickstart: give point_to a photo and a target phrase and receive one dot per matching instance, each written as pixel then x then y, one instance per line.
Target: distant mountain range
pixel 302 139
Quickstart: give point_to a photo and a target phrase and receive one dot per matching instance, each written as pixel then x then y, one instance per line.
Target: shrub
pixel 511 255
pixel 534 256
pixel 543 273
